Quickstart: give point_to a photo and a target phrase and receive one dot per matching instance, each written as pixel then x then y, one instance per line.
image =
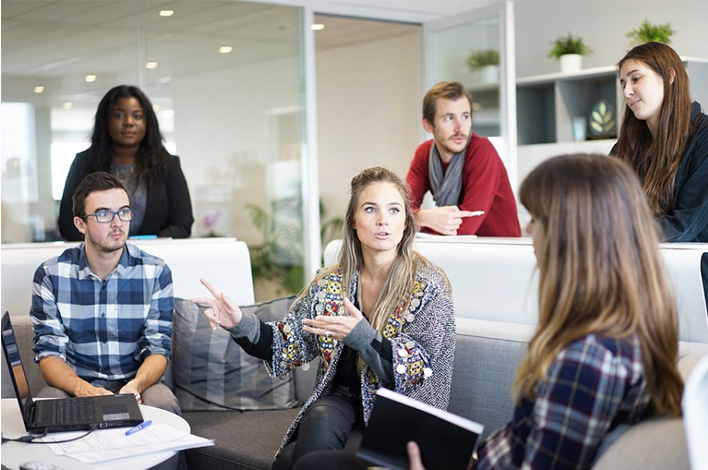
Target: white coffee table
pixel 15 453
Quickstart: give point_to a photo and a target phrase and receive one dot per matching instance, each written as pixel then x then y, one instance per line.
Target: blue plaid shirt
pixel 593 385
pixel 102 329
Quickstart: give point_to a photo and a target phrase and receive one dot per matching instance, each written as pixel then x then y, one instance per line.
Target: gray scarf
pixel 446 185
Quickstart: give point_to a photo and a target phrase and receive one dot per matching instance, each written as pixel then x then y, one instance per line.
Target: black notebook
pixel 447 441
pixel 64 414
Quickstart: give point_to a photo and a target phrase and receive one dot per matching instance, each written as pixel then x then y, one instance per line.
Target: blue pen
pixel 137 428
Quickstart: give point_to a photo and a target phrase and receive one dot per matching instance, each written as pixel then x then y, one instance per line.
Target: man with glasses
pixel 102 311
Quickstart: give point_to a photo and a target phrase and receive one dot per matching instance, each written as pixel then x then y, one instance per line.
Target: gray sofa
pixel 486 359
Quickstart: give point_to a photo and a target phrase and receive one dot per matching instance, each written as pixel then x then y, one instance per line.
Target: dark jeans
pixel 332 460
pixel 332 423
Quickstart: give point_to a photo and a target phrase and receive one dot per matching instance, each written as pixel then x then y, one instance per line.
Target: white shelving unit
pixel 486 115
pixel 547 104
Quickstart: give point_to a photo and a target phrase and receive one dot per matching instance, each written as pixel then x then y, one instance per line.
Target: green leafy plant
pixel 648 32
pixel 569 45
pixel 479 59
pixel 279 257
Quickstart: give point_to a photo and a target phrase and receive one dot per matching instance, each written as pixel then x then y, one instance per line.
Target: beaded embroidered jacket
pixel 421 332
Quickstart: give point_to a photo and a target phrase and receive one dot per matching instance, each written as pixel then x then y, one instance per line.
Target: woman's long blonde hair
pixel 600 271
pixel 401 277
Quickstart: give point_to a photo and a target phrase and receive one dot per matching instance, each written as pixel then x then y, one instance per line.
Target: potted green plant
pixel 276 262
pixel 485 65
pixel 570 50
pixel 648 32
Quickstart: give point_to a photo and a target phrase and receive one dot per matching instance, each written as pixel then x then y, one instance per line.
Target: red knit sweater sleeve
pixel 486 187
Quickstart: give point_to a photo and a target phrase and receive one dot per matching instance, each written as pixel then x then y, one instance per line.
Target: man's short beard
pixel 106 249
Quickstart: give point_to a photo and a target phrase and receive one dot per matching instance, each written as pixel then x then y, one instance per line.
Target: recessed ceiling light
pixel 68 105
pixel 151 65
pixel 226 49
pixel 167 12
pixel 317 27
pixel 90 78
pixel 39 89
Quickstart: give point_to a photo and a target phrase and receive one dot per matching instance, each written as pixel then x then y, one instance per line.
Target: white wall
pixel 233 163
pixel 603 25
pixel 368 110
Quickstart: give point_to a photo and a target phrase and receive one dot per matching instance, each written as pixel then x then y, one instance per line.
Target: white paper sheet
pixel 110 444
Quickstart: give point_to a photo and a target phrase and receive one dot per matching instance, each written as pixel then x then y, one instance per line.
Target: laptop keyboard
pixel 72 411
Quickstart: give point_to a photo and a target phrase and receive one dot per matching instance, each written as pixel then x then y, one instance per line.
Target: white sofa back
pixel 223 261
pixel 495 279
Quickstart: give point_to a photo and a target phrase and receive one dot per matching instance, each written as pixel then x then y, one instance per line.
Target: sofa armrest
pixel 25 337
pixel 654 444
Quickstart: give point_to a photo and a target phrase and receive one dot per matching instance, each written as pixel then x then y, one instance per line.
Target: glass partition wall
pixel 476 48
pixel 226 81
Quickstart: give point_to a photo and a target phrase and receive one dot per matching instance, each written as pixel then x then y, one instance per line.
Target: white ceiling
pixel 56 43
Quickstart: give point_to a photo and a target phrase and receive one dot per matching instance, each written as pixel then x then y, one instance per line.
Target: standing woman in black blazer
pixel 127 143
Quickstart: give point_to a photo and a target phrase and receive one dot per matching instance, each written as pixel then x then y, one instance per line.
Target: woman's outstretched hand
pixel 335 327
pixel 220 310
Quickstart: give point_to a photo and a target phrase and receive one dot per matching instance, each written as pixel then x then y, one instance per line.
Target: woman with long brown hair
pixel 664 138
pixel 606 347
pixel 381 316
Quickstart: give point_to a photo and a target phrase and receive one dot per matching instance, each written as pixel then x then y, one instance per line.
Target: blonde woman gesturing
pixel 382 316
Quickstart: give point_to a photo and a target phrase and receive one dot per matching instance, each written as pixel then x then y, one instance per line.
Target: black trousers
pixel 332 460
pixel 333 423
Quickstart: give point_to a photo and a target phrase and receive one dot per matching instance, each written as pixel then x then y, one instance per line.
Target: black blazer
pixel 168 211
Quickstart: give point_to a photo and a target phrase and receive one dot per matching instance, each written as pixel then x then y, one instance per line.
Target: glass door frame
pixel 309 167
pixel 310 155
pixel 504 11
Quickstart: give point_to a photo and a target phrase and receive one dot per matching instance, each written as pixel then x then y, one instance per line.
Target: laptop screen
pixel 14 364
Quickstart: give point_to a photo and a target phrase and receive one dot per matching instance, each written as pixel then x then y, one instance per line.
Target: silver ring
pixel 328 334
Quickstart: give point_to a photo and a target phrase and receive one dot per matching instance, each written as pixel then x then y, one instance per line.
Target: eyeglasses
pixel 105 217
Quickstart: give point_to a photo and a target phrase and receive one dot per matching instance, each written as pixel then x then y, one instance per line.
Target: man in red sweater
pixel 462 170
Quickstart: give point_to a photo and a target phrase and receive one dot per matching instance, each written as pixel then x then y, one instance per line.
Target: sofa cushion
pixel 487 355
pixel 243 440
pixel 211 372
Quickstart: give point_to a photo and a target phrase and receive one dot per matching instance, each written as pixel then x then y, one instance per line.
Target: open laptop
pixel 64 414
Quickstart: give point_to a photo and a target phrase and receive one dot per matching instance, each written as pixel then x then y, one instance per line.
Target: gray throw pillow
pixel 212 372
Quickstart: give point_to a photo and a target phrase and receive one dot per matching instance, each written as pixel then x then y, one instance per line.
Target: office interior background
pixel 272 117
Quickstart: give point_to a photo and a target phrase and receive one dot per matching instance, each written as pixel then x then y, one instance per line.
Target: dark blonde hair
pixel 600 271
pixel 656 159
pixel 401 277
pixel 452 91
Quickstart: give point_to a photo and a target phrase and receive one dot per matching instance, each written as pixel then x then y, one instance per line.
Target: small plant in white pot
pixel 485 64
pixel 570 50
